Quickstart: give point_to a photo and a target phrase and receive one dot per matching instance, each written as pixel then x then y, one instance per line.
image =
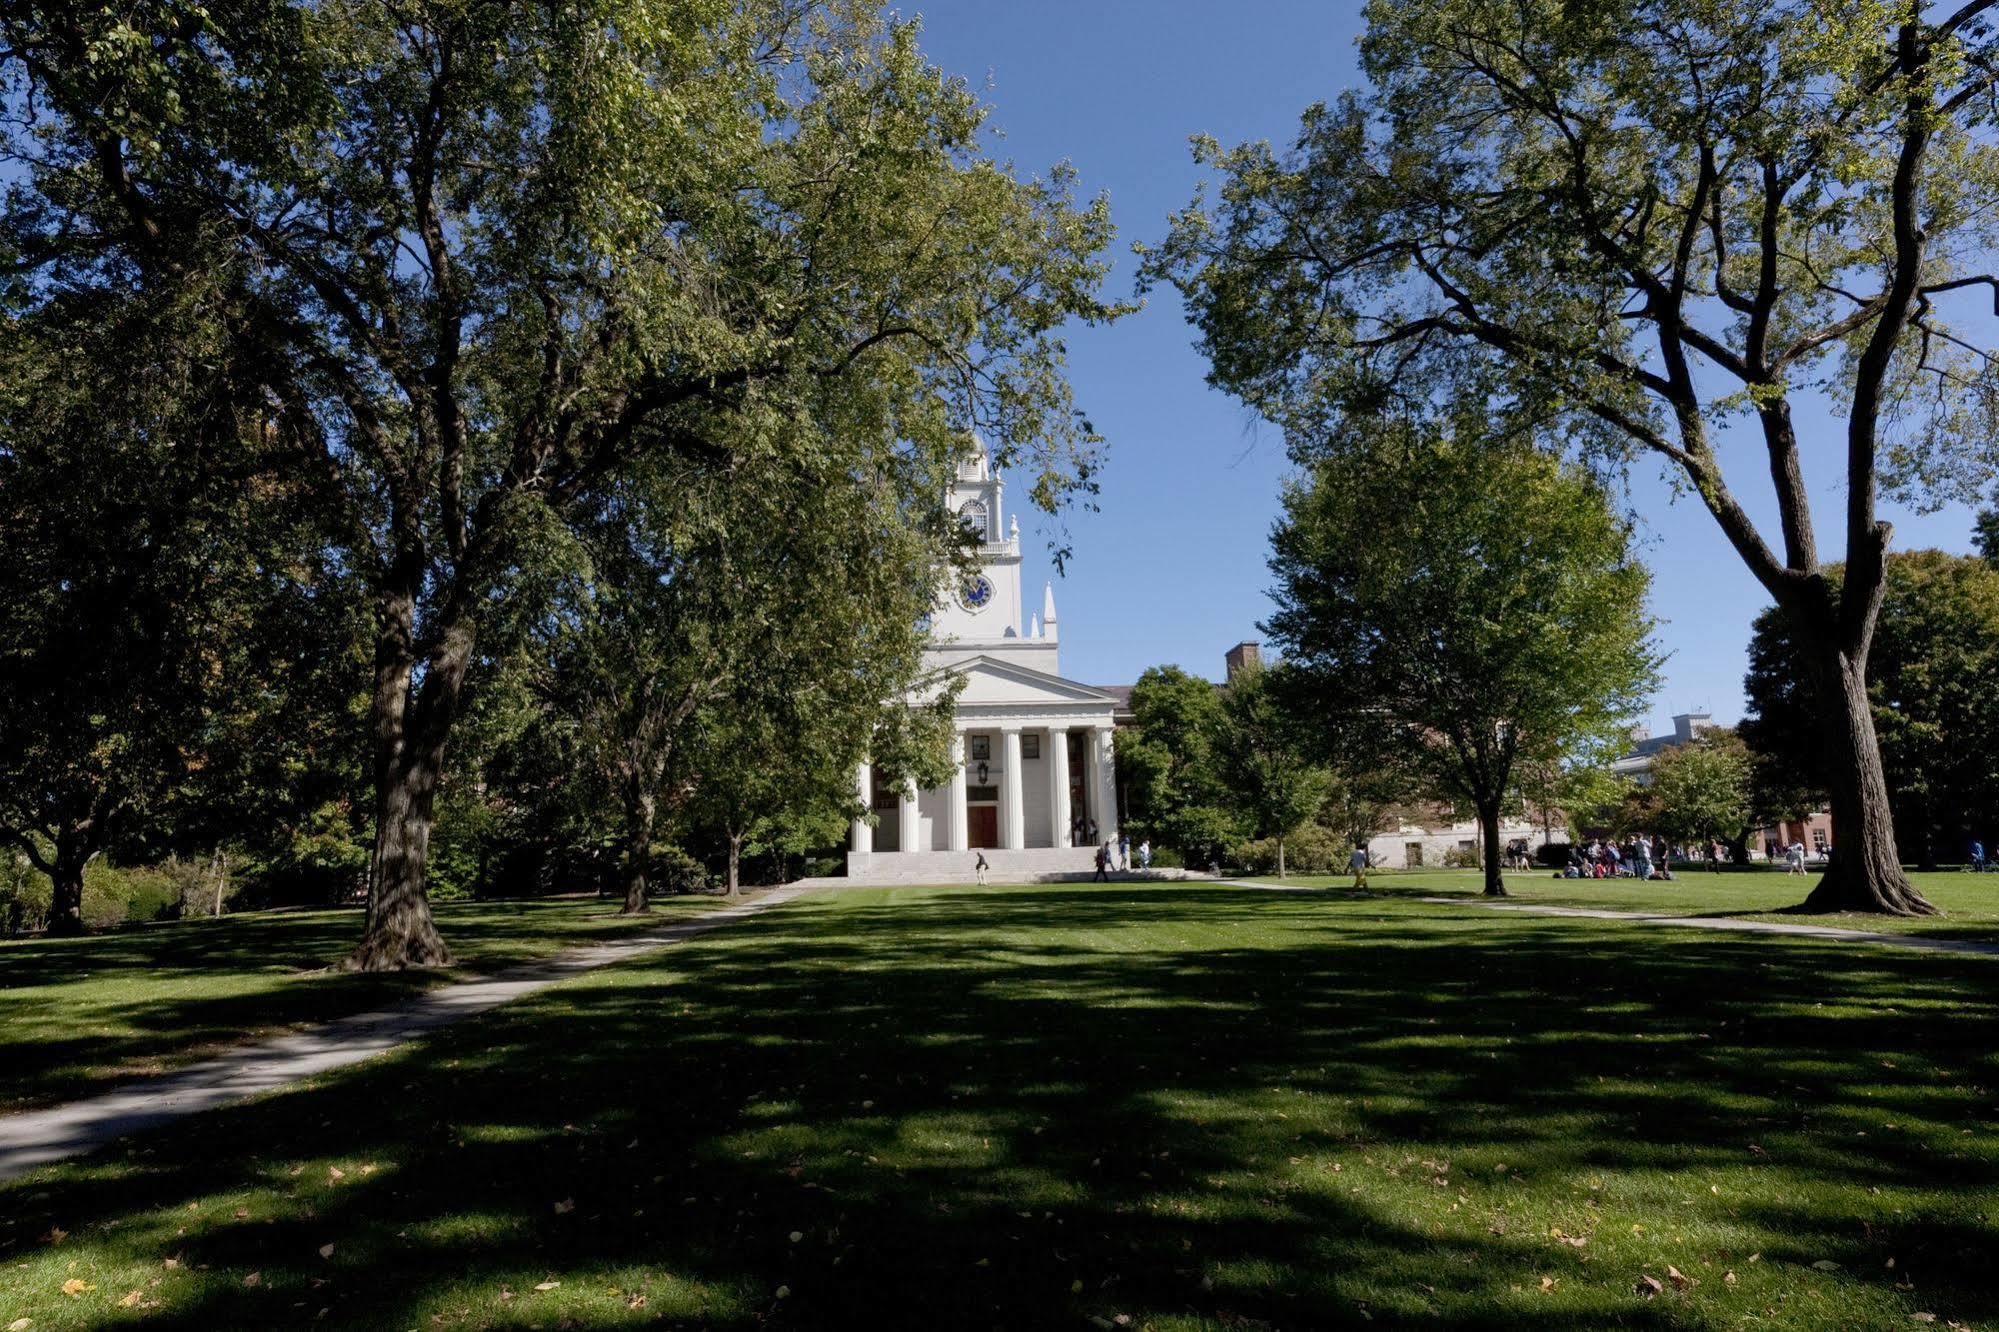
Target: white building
pixel 1035 778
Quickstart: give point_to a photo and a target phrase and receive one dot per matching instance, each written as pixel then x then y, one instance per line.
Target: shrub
pixel 24 896
pixel 1460 857
pixel 674 871
pixel 1311 850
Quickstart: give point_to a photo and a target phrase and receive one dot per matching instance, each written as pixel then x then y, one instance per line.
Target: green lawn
pixel 1167 1106
pixel 1970 901
pixel 79 1015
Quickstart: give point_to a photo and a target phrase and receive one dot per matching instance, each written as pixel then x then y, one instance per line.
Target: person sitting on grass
pixel 1357 862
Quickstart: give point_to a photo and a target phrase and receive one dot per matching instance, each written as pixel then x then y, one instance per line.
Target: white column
pixel 961 837
pixel 863 837
pixel 1106 785
pixel 909 824
pixel 1058 785
pixel 1013 834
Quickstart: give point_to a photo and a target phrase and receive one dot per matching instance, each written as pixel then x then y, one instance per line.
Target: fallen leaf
pixel 1728 1278
pixel 784 1292
pixel 76 1286
pixel 1076 1287
pixel 547 1285
pixel 1547 1283
pixel 56 1235
pixel 131 1299
pixel 1648 1286
pixel 1679 1279
pixel 334 1174
pixel 172 1263
pixel 566 1206
pixel 797 1235
pixel 1922 1318
pixel 326 1250
pixel 1826 1265
pixel 20 1325
pixel 254 1279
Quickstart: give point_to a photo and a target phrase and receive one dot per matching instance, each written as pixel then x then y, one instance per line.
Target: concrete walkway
pixel 1726 924
pixel 40 1137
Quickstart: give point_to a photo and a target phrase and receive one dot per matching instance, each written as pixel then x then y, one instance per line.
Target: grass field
pixel 1170 1106
pixel 79 1015
pixel 1970 901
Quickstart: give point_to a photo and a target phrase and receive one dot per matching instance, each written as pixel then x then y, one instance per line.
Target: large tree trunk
pixel 1280 857
pixel 735 861
pixel 401 932
pixel 1865 872
pixel 639 807
pixel 409 735
pixel 1488 821
pixel 66 890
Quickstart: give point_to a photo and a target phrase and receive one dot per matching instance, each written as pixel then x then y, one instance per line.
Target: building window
pixel 1819 842
pixel 982 748
pixel 973 515
pixel 1030 746
pixel 982 795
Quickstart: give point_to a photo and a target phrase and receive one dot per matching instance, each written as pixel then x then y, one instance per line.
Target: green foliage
pixel 1987 536
pixel 1934 687
pixel 1310 849
pixel 1169 761
pixel 1263 756
pixel 1476 604
pixel 480 266
pixel 1703 790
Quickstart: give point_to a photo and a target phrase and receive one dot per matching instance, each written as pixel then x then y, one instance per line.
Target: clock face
pixel 976 593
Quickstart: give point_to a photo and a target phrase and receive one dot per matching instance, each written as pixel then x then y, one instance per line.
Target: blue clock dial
pixel 977 591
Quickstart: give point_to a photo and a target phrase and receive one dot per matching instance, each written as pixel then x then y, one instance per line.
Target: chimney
pixel 1243 655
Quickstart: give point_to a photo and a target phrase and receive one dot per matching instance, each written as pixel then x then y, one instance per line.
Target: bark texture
pixel 1488 827
pixel 639 812
pixel 1865 871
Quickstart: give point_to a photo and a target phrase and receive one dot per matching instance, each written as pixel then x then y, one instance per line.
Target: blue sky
pixel 1172 567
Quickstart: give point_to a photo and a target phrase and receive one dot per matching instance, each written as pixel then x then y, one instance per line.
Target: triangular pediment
pixel 991 680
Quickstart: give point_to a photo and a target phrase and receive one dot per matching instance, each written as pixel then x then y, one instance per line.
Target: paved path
pixel 43 1136
pixel 1727 924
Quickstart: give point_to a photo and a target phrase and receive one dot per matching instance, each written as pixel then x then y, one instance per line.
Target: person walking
pixel 1123 852
pixel 1103 874
pixel 1145 854
pixel 1977 856
pixel 1642 852
pixel 1794 858
pixel 981 868
pixel 1357 862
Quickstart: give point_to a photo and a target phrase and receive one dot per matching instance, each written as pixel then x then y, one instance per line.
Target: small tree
pixel 1273 783
pixel 1703 790
pixel 1169 761
pixel 1483 602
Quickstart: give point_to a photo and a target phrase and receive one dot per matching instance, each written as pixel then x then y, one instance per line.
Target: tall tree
pixel 491 256
pixel 1168 761
pixel 1484 604
pixel 1263 756
pixel 1935 697
pixel 1643 220
pixel 1987 535
pixel 171 633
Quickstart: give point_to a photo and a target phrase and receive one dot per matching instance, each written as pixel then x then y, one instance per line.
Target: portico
pixel 1033 779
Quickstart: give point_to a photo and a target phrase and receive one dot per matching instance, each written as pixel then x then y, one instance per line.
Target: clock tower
pixel 984 606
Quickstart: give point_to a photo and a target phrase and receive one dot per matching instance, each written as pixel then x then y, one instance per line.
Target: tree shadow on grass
pixel 1028 1108
pixel 80 1015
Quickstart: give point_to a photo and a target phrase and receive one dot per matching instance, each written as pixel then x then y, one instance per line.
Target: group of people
pixel 1640 858
pixel 1106 859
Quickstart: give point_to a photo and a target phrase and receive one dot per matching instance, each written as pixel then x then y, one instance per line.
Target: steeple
pixel 1048 611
